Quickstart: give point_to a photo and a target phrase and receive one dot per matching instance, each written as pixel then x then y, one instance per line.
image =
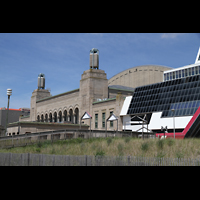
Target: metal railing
pixel 32 138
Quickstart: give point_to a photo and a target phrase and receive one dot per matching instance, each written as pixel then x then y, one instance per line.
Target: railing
pixel 32 138
pixel 27 159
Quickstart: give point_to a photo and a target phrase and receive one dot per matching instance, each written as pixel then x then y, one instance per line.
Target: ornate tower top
pixel 94 58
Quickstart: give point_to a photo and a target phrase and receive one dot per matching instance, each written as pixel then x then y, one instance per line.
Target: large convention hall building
pixel 97 96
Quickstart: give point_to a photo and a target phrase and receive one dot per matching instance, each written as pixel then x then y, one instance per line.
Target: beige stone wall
pixel 93 85
pixel 60 103
pixel 37 95
pixel 107 106
pixel 138 76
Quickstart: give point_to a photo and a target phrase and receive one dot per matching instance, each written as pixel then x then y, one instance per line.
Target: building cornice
pixel 58 95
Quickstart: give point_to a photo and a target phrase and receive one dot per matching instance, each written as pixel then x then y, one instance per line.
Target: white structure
pixel 185 71
pixel 157 105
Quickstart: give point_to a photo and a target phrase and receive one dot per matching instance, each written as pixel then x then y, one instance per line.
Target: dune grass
pixel 187 148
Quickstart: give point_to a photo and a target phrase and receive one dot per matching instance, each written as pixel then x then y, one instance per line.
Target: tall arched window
pixel 46 118
pixel 65 115
pixel 60 116
pixel 76 116
pixel 55 117
pixel 38 118
pixel 50 117
pixel 71 115
pixel 42 118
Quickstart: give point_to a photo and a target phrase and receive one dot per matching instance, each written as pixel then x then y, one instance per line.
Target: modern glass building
pixel 177 97
pixel 182 95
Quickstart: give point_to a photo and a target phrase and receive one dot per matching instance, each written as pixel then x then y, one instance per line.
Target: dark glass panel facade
pixel 182 95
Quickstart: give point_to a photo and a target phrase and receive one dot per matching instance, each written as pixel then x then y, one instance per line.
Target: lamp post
pixel 9 93
pixel 173 110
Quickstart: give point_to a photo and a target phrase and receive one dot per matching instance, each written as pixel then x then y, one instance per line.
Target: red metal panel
pixel 196 114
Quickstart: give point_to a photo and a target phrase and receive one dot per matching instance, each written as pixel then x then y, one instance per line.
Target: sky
pixel 63 57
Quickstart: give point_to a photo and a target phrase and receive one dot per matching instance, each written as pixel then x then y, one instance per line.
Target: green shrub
pixel 93 146
pixel 120 148
pixel 38 150
pixel 127 139
pixel 74 141
pixel 160 154
pixel 39 144
pixel 170 142
pixel 82 146
pixel 99 153
pixel 179 154
pixel 160 143
pixel 53 151
pixel 109 140
pixel 145 146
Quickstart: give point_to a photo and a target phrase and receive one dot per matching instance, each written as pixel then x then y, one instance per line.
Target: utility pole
pixel 9 93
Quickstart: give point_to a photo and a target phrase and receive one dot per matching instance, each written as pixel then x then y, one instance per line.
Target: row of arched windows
pixel 70 117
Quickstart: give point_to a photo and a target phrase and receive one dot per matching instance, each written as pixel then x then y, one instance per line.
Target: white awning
pixel 112 118
pixel 86 115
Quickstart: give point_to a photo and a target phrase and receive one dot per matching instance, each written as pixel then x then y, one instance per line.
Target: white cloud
pixel 171 35
pixel 99 34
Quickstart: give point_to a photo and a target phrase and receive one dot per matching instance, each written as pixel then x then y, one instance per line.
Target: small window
pixel 167 76
pixel 189 72
pixel 170 75
pixel 179 72
pixel 192 71
pixel 103 119
pixel 176 74
pixel 183 74
pixel 186 72
pixel 111 122
pixel 196 70
pixel 96 120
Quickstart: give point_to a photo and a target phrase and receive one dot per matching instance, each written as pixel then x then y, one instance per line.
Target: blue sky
pixel 63 57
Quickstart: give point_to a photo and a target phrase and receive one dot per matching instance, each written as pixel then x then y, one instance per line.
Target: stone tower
pixel 93 84
pixel 38 94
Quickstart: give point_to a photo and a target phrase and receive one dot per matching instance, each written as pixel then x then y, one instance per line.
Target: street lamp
pixel 9 93
pixel 173 110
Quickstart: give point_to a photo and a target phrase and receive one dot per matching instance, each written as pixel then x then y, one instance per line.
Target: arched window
pixel 50 117
pixel 42 118
pixel 55 117
pixel 46 118
pixel 60 116
pixel 65 115
pixel 38 118
pixel 71 115
pixel 76 116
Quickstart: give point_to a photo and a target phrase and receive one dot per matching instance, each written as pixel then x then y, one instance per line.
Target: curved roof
pixel 139 76
pixel 162 66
